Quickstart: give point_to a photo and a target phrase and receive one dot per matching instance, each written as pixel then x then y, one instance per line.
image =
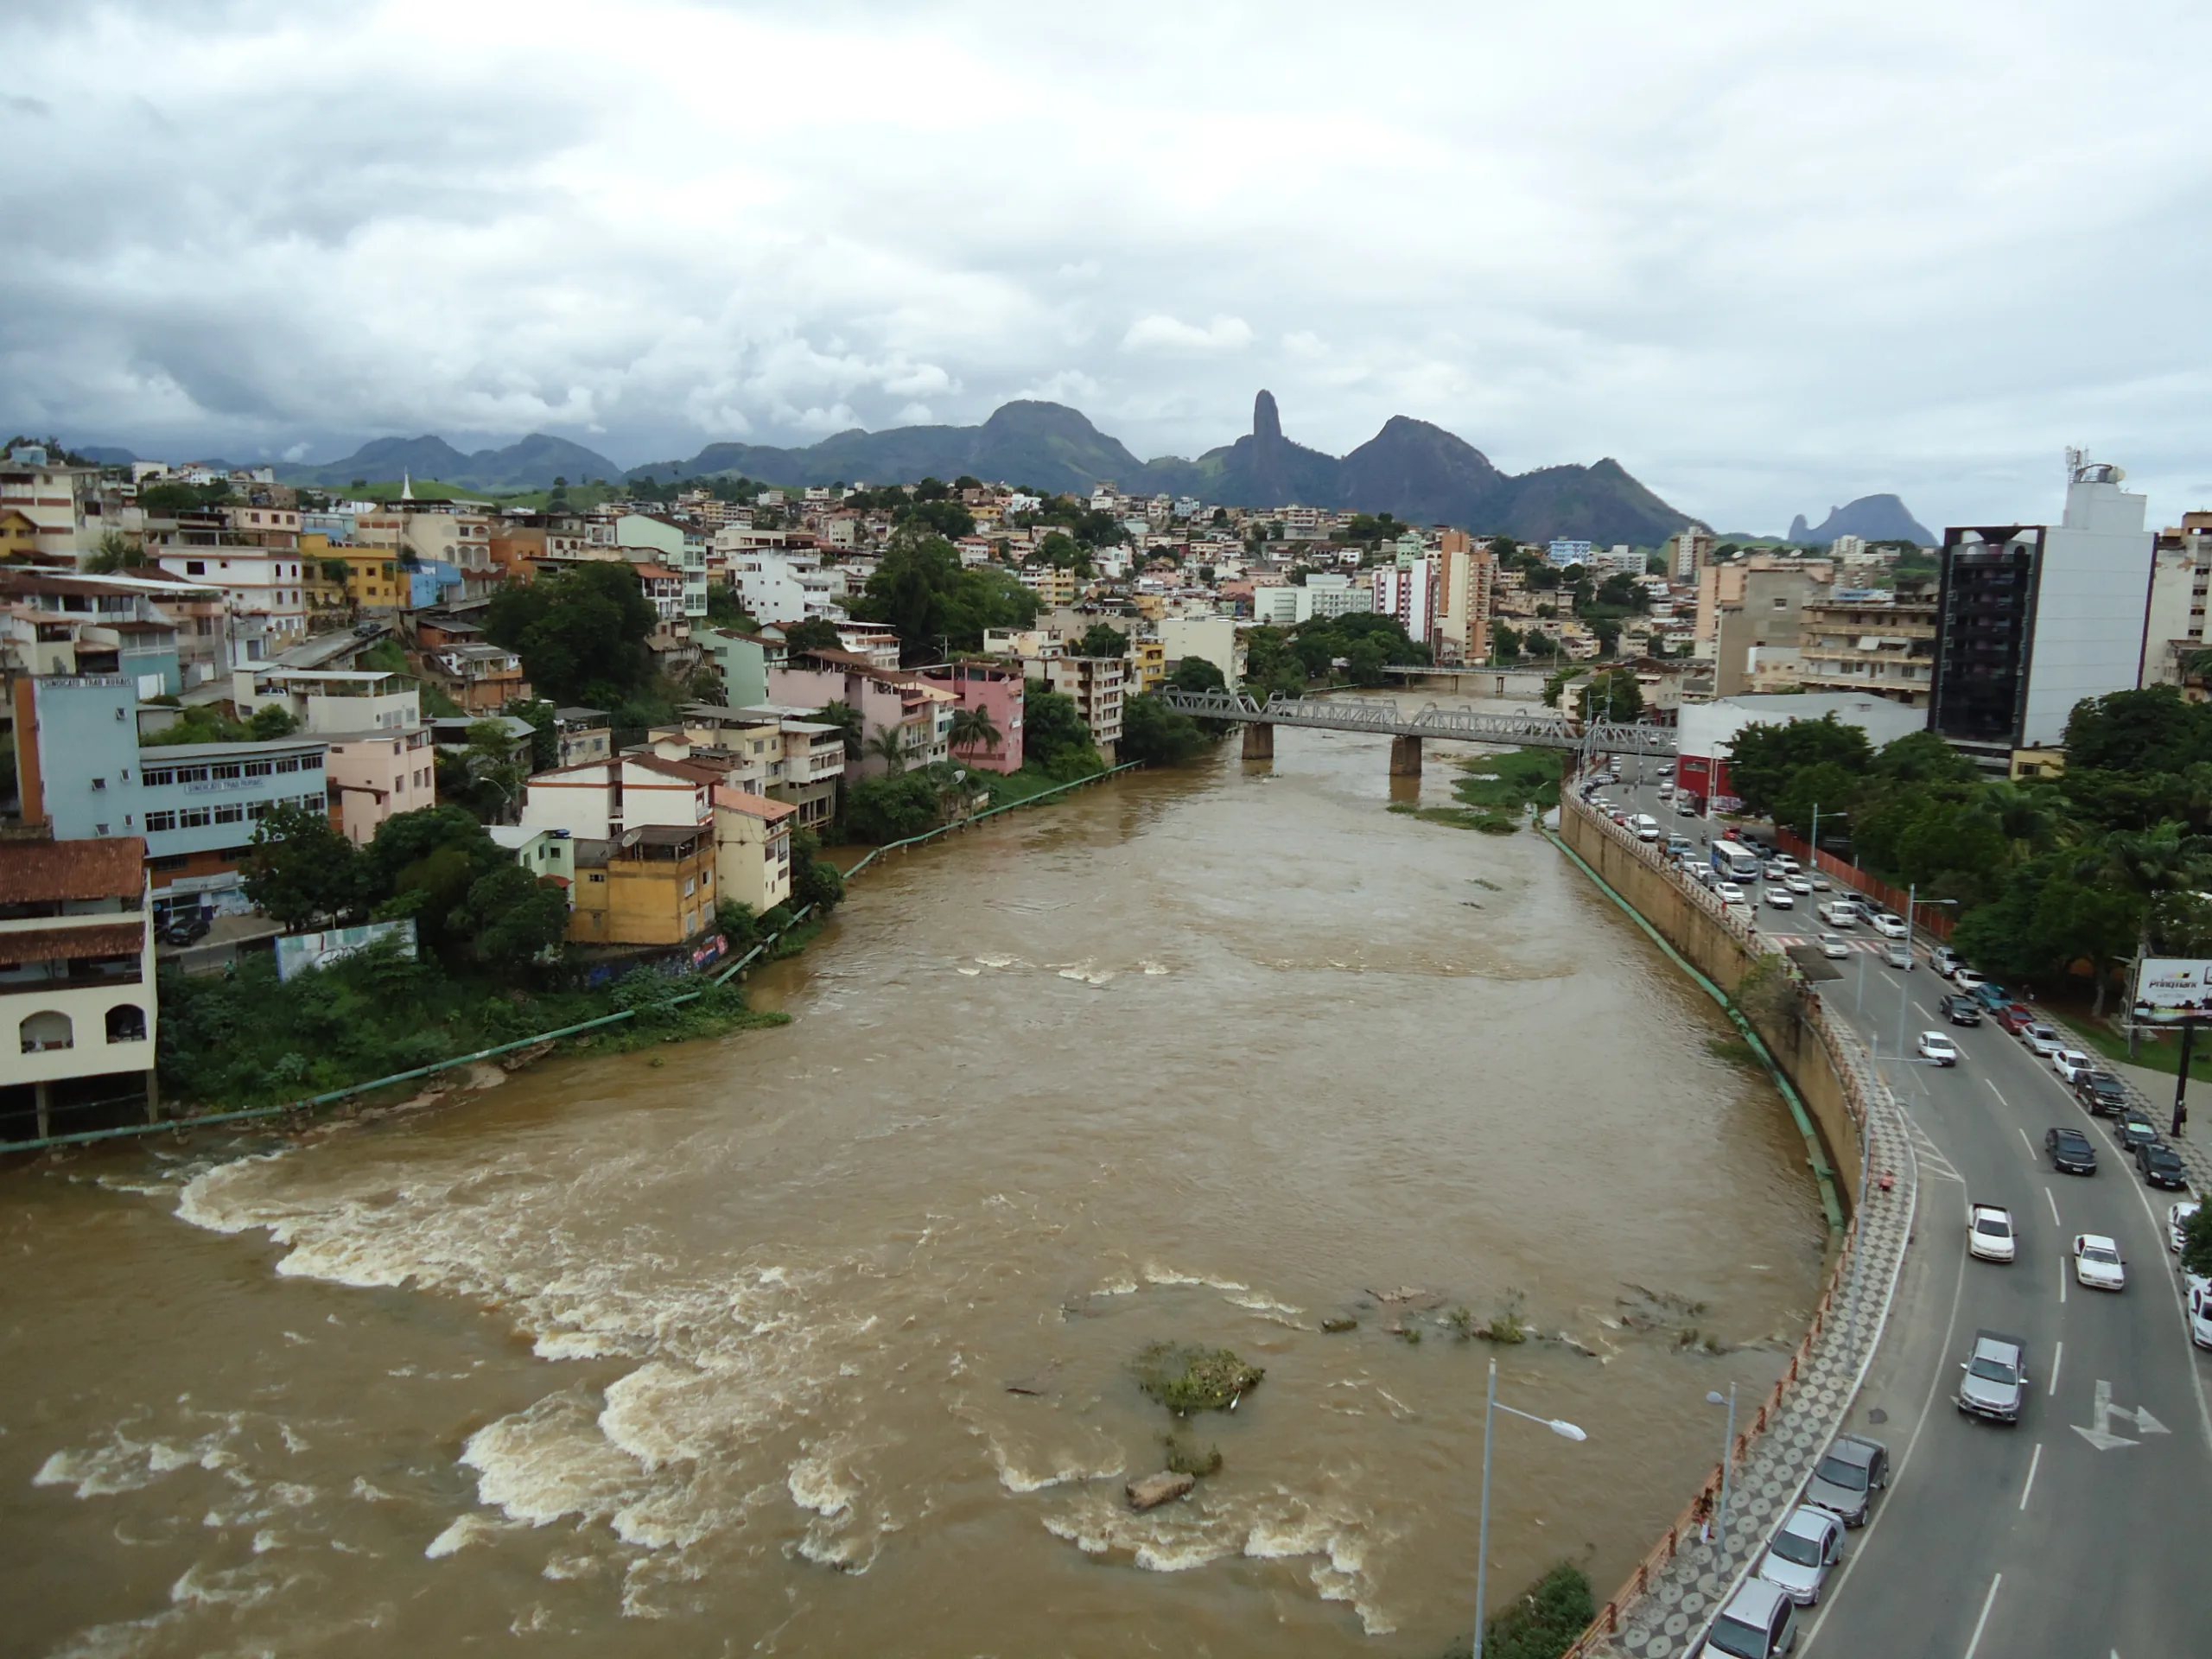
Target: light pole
pixel 1727 1453
pixel 1905 979
pixel 1564 1430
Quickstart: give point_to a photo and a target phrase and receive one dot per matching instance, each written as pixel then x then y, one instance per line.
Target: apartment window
pixel 161 777
pixel 194 817
pixel 288 764
pixel 597 877
pixel 192 774
pixel 398 783
pixel 258 768
pixel 195 567
pixel 230 771
pixel 233 814
pixel 256 811
pixel 157 822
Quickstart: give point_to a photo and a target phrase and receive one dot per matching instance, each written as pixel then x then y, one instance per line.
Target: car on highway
pixel 1780 900
pixel 2097 1263
pixel 1988 992
pixel 1759 1622
pixel 2176 1218
pixel 1937 1049
pixel 1995 1385
pixel 1890 927
pixel 1838 914
pixel 1989 1232
pixel 1666 791
pixel 2200 1316
pixel 1789 866
pixel 2135 1131
pixel 2042 1039
pixel 2070 1151
pixel 1687 806
pixel 1797 884
pixel 2071 1063
pixel 1849 1473
pixel 1834 946
pixel 1799 1560
pixel 1898 953
pixel 2014 1018
pixel 1960 1010
pixel 1966 980
pixel 2101 1093
pixel 1821 883
pixel 2161 1165
pixel 1728 893
pixel 1945 961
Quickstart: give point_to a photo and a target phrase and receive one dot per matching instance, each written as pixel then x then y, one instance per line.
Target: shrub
pixel 1186 1379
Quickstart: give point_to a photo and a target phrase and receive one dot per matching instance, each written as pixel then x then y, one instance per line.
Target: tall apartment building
pixel 1689 551
pixel 1885 645
pixel 1755 607
pixel 2181 577
pixel 53 497
pixel 2031 618
pixel 1098 684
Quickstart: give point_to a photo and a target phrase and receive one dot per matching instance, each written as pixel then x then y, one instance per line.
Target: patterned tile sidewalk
pixel 1677 1588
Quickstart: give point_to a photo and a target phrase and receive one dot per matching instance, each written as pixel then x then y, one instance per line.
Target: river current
pixel 708 1350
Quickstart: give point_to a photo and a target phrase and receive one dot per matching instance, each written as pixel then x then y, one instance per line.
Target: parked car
pixel 1938 1049
pixel 1966 980
pixel 1960 1010
pixel 2200 1316
pixel 2070 1152
pixel 1945 961
pixel 1993 995
pixel 2071 1063
pixel 1849 1473
pixel 1898 953
pixel 2176 1218
pixel 2102 1093
pixel 2041 1039
pixel 1891 927
pixel 1996 1381
pixel 2134 1130
pixel 1688 806
pixel 2015 1018
pixel 186 927
pixel 2161 1165
pixel 1780 900
pixel 1798 1561
pixel 1759 1622
pixel 1989 1232
pixel 2097 1263
pixel 1834 946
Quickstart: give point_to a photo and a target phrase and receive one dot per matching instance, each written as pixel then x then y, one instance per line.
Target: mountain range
pixel 532 464
pixel 1877 517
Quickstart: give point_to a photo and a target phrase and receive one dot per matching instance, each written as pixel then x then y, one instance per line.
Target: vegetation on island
pixel 1186 1379
pixel 1542 1622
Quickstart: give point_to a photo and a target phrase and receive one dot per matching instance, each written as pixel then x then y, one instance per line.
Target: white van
pixel 1839 914
pixel 1646 826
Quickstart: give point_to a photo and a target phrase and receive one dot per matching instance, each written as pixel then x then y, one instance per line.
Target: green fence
pixel 313 1102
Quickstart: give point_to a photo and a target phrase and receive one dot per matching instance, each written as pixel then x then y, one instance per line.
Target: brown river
pixel 707 1352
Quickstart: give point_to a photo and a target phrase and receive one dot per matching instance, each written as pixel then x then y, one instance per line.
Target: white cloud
pixel 1164 334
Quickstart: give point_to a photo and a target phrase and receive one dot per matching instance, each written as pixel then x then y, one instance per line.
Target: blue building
pixel 432 581
pixel 199 803
pixel 1562 554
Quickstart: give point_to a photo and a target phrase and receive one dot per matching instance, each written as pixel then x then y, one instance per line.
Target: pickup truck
pixel 1996 1381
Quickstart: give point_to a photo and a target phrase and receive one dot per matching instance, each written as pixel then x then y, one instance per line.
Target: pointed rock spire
pixel 1266 424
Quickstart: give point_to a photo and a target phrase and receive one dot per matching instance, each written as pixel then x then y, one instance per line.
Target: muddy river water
pixel 707 1352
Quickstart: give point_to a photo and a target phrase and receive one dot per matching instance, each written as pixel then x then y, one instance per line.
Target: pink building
pixel 999 692
pixel 888 700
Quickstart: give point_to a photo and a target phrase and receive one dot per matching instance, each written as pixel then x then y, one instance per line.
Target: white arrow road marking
pixel 2101 1437
pixel 2146 1424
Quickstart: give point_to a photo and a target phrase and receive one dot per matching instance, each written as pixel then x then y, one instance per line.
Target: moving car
pixel 2042 1040
pixel 1898 953
pixel 2134 1131
pixel 1945 961
pixel 1798 1561
pixel 1834 946
pixel 1890 927
pixel 1960 1010
pixel 1849 1473
pixel 1989 1232
pixel 1996 1381
pixel 1798 885
pixel 1780 898
pixel 2071 1063
pixel 1759 1622
pixel 2097 1263
pixel 1820 882
pixel 2161 1165
pixel 1936 1047
pixel 2102 1093
pixel 1687 806
pixel 1838 914
pixel 1728 893
pixel 2176 1218
pixel 2070 1152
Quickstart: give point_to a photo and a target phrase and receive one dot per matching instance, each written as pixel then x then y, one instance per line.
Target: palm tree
pixel 2023 817
pixel 847 719
pixel 974 728
pixel 889 745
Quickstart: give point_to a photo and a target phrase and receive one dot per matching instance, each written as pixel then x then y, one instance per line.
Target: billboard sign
pixel 296 952
pixel 2170 988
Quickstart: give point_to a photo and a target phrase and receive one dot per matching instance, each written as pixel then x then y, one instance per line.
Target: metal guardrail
pixel 1531 730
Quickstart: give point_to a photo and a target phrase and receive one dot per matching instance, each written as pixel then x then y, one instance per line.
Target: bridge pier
pixel 1405 757
pixel 1259 742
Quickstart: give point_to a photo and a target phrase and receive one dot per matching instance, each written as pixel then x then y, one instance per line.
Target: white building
pixel 1706 732
pixel 783 585
pixel 1563 554
pixel 264 594
pixel 1213 638
pixel 2181 578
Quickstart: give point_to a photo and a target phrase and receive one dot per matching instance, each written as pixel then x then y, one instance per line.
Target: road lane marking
pixel 2062 1283
pixel 2033 1463
pixel 2029 1144
pixel 1978 1624
pixel 2181 1306
pixel 2057 1355
pixel 2002 1101
pixel 2055 1221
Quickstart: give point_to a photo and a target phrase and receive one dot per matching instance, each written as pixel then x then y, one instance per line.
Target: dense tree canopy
pixel 935 604
pixel 580 633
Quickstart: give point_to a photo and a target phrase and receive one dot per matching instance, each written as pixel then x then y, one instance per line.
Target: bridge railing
pixel 1532 729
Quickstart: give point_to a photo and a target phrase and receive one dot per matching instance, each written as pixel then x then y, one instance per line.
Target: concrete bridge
pixel 1471 679
pixel 1535 729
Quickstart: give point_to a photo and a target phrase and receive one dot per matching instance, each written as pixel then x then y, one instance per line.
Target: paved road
pixel 2027 1540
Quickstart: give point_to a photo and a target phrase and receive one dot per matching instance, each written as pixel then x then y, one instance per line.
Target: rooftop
pixel 34 872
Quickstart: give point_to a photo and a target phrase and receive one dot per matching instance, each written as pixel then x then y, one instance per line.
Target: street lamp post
pixel 1727 1454
pixel 1564 1430
pixel 1905 979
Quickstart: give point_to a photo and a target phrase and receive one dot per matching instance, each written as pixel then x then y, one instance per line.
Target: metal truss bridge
pixel 1535 729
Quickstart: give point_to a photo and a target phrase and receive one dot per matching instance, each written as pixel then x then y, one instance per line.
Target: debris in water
pixel 1154 1490
pixel 1340 1322
pixel 1186 1379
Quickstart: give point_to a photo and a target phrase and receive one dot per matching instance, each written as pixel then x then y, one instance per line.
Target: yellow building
pixel 1147 666
pixel 654 886
pixel 18 536
pixel 374 580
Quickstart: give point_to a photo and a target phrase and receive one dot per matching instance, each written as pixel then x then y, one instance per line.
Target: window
pixel 232 770
pixel 161 777
pixel 157 822
pixel 256 811
pixel 126 1023
pixel 597 877
pixel 195 567
pixel 46 1031
pixel 196 817
pixel 287 764
pixel 192 774
pixel 258 768
pixel 310 763
pixel 233 814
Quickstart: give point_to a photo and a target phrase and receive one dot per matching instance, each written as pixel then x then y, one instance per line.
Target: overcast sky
pixel 1769 256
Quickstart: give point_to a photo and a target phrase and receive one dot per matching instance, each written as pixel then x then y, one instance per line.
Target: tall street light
pixel 1727 1453
pixel 1905 979
pixel 1564 1430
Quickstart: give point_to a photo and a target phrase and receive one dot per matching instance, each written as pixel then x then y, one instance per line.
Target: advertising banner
pixel 297 952
pixel 2170 988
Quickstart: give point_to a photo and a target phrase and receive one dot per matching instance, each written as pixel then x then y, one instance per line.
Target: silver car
pixel 1759 1622
pixel 1798 1561
pixel 1849 1473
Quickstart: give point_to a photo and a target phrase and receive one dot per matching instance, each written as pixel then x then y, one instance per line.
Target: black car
pixel 186 927
pixel 2102 1093
pixel 2134 1132
pixel 1960 1010
pixel 2161 1165
pixel 2070 1151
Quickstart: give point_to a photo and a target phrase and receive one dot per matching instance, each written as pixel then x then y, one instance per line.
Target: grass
pixel 2161 1053
pixel 1007 789
pixel 1459 817
pixel 1509 783
pixel 1186 1379
pixel 1734 1050
pixel 1543 1621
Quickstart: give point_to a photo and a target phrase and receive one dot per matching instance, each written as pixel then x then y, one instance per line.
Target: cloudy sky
pixel 1769 257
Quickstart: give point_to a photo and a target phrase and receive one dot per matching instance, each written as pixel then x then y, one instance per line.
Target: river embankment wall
pixel 1728 953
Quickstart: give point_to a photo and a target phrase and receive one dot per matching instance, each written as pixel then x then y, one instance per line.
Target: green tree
pixel 814 881
pixel 495 770
pixel 1050 728
pixel 1614 694
pixel 510 918
pixel 1922 758
pixel 423 864
pixel 847 719
pixel 545 735
pixel 1764 757
pixel 974 728
pixel 1823 788
pixel 115 552
pixel 893 807
pixel 301 870
pixel 270 723
pixel 1623 592
pixel 1101 641
pixel 2196 1242
pixel 1157 735
pixel 894 746
pixel 1198 674
pixel 2152 730
pixel 580 633
pixel 1504 643
pixel 816 634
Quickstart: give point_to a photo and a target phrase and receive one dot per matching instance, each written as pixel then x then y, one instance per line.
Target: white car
pixel 2042 1040
pixel 1890 927
pixel 1838 914
pixel 1788 865
pixel 1799 1560
pixel 1820 882
pixel 1936 1047
pixel 2200 1318
pixel 2071 1063
pixel 2176 1218
pixel 1797 884
pixel 1780 898
pixel 2097 1263
pixel 1966 979
pixel 1728 893
pixel 1989 1232
pixel 1834 946
pixel 1944 960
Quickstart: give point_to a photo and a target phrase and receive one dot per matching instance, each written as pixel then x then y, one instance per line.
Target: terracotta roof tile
pixel 34 872
pixel 71 943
